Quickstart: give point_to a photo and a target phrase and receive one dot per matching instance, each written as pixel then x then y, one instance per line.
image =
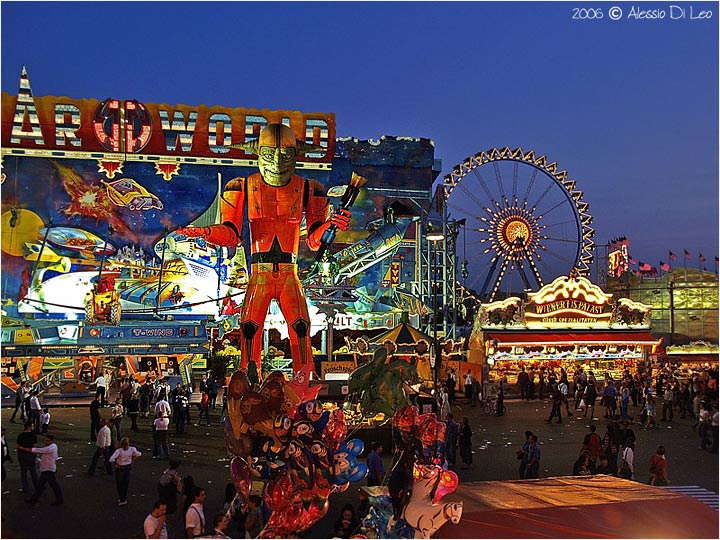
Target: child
pixel 45 420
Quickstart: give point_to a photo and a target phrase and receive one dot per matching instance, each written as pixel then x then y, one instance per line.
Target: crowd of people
pixel 179 512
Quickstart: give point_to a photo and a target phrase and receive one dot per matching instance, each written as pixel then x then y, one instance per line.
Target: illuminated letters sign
pixel 134 129
pixel 567 302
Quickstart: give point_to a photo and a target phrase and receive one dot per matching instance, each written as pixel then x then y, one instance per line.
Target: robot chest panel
pixel 275 204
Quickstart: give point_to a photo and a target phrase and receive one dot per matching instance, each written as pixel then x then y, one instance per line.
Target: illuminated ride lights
pixel 528 225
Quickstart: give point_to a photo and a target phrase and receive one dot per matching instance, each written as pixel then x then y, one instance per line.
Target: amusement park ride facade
pixel 127 227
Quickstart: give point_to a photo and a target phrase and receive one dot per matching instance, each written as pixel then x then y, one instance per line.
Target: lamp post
pixel 435 236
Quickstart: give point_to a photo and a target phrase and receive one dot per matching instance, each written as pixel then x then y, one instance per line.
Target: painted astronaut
pixel 275 199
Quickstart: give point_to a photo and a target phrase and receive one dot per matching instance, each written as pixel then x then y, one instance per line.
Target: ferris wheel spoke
pixel 558 205
pixel 542 196
pixel 559 223
pixel 463 211
pixel 486 189
pixel 472 196
pixel 498 281
pixel 498 179
pixel 558 256
pixel 535 271
pixel 515 182
pixel 568 240
pixel 529 187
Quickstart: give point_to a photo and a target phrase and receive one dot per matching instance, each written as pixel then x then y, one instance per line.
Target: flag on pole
pixel 673 257
pixel 632 261
pixel 644 267
pixel 700 257
pixel 664 267
pixel 688 255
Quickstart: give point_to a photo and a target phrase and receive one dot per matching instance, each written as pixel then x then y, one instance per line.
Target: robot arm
pixel 231 213
pixel 316 215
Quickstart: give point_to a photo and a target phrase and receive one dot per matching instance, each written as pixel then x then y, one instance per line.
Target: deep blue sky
pixel 629 108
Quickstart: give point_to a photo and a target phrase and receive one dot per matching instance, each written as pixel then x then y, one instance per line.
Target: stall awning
pixel 565 338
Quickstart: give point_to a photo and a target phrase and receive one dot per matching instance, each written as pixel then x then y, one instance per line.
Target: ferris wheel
pixel 526 223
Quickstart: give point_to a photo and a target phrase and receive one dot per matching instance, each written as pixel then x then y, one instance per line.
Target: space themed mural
pixel 97 190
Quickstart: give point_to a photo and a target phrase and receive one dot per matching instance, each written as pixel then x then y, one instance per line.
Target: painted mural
pixel 93 195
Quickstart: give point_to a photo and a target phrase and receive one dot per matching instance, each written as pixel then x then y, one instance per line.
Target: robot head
pixel 277 150
pixel 277 154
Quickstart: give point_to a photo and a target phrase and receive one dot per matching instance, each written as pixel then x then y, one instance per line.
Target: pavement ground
pixel 91 510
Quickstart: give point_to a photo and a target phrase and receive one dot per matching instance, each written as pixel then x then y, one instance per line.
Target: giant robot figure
pixel 276 199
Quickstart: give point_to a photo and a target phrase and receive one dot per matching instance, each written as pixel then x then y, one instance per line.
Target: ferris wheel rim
pixel 585 233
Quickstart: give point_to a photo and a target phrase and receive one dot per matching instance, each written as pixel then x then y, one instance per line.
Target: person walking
pixel 101 389
pixel 465 442
pixel 468 386
pixel 5 454
pixel 557 399
pixel 117 415
pixel 590 396
pixel 522 454
pixel 94 418
pixel 48 469
pixel 204 408
pixel 155 525
pixel 169 485
pixel 195 515
pixel 180 402
pixel 704 421
pixel 625 403
pixel 134 410
pixel 500 400
pixel 19 401
pixel 668 401
pixel 144 393
pixel 161 425
pixel 26 460
pixel 123 459
pixel 627 468
pixel 103 444
pixel 658 468
pixel 162 405
pixel 522 381
pixel 376 469
pixel 593 444
pixel 35 409
pixel 532 467
pixel 213 388
pixel 451 440
pixel 714 419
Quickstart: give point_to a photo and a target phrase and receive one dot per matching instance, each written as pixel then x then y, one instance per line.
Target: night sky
pixel 629 107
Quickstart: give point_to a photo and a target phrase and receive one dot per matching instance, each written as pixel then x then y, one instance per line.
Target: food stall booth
pixel 692 359
pixel 567 324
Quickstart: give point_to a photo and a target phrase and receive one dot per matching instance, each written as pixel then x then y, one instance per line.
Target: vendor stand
pixel 569 323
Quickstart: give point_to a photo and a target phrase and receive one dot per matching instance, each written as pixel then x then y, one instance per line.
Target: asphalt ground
pixel 91 510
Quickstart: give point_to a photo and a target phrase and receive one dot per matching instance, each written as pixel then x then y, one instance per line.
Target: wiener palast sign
pixel 132 128
pixel 567 302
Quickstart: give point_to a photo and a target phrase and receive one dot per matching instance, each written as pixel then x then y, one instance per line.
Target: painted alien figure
pixel 276 199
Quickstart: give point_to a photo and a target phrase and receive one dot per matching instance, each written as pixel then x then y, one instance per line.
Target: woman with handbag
pixel 627 469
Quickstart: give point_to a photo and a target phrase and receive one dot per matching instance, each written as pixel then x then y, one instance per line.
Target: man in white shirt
pixel 123 459
pixel 195 516
pixel 161 424
pixel 162 405
pixel 48 457
pixel 35 410
pixel 101 385
pixel 155 526
pixel 103 443
pixel 468 386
